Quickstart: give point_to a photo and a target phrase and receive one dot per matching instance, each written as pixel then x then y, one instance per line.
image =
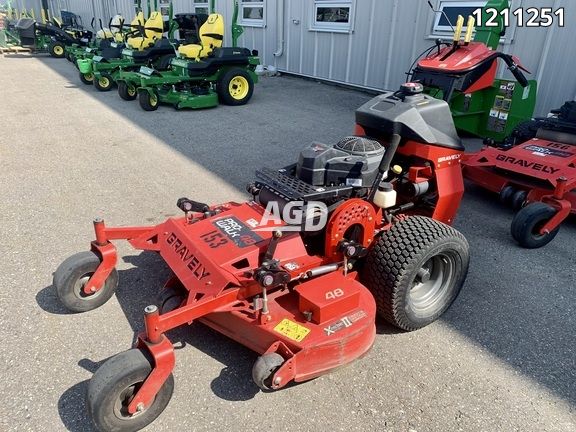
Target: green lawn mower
pixel 105 37
pixel 464 74
pixel 201 76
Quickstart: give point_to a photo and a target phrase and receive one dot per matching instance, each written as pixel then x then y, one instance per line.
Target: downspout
pixel 279 30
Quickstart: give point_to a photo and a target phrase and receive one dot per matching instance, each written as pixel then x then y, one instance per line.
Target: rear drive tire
pixel 112 387
pixel 104 83
pixel 147 101
pixel 87 78
pixel 71 277
pixel 127 92
pixel 56 49
pixel 235 87
pixel 528 222
pixel 416 270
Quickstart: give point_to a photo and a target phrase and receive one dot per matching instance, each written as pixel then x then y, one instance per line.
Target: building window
pixel 443 22
pixel 201 7
pixel 333 15
pixel 252 13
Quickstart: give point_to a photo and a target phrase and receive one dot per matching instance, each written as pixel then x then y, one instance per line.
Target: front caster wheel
pixel 104 83
pixel 56 49
pixel 113 387
pixel 265 368
pixel 529 221
pixel 87 78
pixel 416 270
pixel 71 277
pixel 127 91
pixel 148 101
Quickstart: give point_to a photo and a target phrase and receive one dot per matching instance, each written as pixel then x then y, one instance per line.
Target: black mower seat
pixel 219 57
pixel 160 48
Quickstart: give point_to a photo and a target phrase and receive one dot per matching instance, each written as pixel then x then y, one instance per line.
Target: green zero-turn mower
pixel 201 76
pixel 149 48
pixel 463 73
pixel 114 33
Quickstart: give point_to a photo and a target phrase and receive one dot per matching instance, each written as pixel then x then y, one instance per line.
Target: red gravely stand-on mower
pixel 535 172
pixel 303 295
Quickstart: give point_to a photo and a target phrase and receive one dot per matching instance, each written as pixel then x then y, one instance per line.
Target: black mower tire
pixel 71 276
pixel 87 79
pixel 147 101
pixel 518 199
pixel 126 92
pixel 56 49
pixel 264 369
pixel 403 257
pixel 111 388
pixel 506 194
pixel 525 131
pixel 527 223
pixel 104 83
pixel 235 87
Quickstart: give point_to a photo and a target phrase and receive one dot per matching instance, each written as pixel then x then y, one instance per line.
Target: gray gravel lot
pixel 502 359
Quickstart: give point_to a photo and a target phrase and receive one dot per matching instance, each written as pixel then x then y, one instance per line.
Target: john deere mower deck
pixel 302 292
pixel 535 172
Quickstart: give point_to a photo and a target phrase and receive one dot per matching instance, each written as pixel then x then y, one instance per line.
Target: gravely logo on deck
pixel 526 164
pixel 187 256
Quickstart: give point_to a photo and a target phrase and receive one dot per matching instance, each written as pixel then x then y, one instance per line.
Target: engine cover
pixel 352 162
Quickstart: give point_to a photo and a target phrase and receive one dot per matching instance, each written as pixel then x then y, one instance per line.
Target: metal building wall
pixel 387 36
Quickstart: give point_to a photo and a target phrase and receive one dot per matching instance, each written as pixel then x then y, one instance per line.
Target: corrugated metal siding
pixel 387 36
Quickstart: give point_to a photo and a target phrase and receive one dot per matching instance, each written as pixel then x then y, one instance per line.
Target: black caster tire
pixel 506 194
pixel 104 83
pixel 519 199
pixel 235 87
pixel 71 277
pixel 528 222
pixel 111 388
pixel 147 101
pixel 87 79
pixel 56 49
pixel 265 368
pixel 416 270
pixel 127 92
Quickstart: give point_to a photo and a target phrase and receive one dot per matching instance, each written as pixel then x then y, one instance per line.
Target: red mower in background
pixel 360 228
pixel 534 171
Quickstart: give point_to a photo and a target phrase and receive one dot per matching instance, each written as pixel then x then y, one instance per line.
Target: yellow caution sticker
pixel 292 330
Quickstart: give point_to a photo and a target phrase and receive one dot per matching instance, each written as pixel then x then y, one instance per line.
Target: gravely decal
pixel 523 163
pixel 188 257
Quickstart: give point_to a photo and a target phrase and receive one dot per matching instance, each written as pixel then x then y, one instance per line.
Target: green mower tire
pixel 148 101
pixel 104 83
pixel 127 92
pixel 57 49
pixel 235 87
pixel 87 78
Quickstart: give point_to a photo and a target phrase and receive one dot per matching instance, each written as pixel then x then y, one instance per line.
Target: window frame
pixel 250 22
pixel 440 30
pixel 332 27
pixel 205 4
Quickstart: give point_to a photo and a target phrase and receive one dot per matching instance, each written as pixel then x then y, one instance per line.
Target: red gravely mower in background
pixel 299 273
pixel 535 172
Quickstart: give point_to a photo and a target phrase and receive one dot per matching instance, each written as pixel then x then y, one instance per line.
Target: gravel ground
pixel 502 358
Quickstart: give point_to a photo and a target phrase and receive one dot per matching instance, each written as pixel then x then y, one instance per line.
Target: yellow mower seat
pixel 211 36
pixel 153 29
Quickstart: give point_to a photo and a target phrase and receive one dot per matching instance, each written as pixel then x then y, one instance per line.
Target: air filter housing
pixel 351 162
